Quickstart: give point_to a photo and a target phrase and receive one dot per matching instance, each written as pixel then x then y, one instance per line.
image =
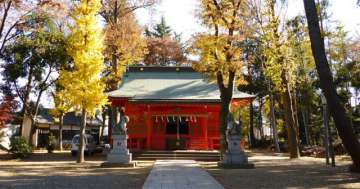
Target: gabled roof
pixel 44 116
pixel 70 118
pixel 169 84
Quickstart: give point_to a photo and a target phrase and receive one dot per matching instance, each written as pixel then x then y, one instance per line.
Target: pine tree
pixel 82 85
pixel 160 30
pixel 163 48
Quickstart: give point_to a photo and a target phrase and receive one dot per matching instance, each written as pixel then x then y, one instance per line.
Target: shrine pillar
pixel 147 118
pixel 205 131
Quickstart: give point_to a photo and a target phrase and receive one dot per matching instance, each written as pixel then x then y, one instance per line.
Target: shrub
pixel 51 143
pixel 19 148
pixel 67 145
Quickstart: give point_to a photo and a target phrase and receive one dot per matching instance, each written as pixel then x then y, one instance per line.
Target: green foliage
pixel 257 83
pixel 32 59
pixel 160 30
pixel 43 47
pixel 19 147
pixel 51 143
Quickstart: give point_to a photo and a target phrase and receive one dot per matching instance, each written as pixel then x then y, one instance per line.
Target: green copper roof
pixel 170 85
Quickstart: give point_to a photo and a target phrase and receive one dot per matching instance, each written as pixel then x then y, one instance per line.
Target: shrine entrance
pixel 177 132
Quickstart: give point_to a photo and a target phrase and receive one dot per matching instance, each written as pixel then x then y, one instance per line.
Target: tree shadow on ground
pixel 71 175
pixel 54 157
pixel 285 173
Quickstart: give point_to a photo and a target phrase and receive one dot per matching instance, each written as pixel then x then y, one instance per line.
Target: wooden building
pixel 46 124
pixel 172 108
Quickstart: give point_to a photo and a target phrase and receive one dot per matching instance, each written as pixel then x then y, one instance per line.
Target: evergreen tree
pixel 163 48
pixel 160 30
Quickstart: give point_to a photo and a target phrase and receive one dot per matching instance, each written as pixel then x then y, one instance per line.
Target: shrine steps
pixel 178 154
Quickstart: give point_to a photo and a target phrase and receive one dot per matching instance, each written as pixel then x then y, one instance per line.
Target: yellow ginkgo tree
pixel 82 83
pixel 219 50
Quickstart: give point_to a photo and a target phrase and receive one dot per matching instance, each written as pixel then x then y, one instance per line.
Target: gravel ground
pixel 59 170
pixel 277 171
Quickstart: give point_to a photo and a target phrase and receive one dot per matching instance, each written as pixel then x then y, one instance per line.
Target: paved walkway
pixel 179 174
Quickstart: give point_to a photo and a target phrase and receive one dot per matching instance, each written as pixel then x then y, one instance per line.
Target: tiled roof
pixel 169 84
pixel 70 118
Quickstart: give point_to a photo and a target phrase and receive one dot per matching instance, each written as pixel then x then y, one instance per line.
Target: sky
pixel 181 15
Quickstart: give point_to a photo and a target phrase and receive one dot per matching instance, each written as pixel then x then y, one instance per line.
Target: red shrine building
pixel 172 108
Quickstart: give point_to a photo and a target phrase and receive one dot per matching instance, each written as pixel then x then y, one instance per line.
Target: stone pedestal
pixel 119 156
pixel 235 157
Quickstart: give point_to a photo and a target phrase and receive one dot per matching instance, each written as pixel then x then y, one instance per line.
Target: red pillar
pixel 148 130
pixel 205 126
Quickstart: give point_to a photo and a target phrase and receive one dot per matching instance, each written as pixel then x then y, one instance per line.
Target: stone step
pixel 175 152
pixel 186 155
pixel 175 158
pixel 183 155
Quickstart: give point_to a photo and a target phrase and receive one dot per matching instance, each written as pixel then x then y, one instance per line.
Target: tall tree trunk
pixel 226 93
pixel 5 16
pixel 295 112
pixel 103 123
pixel 290 126
pixel 261 129
pixel 33 118
pixel 251 130
pixel 80 154
pixel 337 110
pixel 110 123
pixel 273 123
pixel 26 99
pixel 306 129
pixel 60 132
pixel 225 110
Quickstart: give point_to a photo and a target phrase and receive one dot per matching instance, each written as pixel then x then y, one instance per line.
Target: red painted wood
pixel 147 126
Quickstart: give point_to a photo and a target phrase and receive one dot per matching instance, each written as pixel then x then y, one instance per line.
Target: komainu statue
pixel 233 127
pixel 121 128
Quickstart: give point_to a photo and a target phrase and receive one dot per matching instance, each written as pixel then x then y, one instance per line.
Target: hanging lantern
pixel 156 119
pixel 180 118
pixel 162 118
pixel 187 119
pixel 195 119
pixel 174 118
pixel 167 119
pixel 191 119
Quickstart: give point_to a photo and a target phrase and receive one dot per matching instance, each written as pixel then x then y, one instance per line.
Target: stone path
pixel 179 174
